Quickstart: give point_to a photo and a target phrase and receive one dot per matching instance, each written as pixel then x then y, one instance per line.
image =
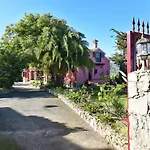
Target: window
pixel 98 56
pixel 95 71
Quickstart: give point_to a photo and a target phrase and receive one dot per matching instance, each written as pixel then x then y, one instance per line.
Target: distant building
pixel 102 66
pixel 32 74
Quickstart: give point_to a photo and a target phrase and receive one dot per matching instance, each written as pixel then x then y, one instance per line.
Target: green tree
pixel 47 42
pixel 119 57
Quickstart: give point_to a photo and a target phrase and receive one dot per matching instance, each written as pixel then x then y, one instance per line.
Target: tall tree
pixel 48 41
pixel 119 57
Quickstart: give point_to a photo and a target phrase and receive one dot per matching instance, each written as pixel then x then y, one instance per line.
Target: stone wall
pixel 139 109
pixel 114 138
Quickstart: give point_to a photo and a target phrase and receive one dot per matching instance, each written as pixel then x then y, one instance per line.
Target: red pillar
pixel 131 52
pixel 130 64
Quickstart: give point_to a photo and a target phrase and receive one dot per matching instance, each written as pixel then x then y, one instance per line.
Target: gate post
pixel 137 98
pixel 139 109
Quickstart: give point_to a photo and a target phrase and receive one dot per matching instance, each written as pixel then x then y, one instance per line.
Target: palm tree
pixel 63 49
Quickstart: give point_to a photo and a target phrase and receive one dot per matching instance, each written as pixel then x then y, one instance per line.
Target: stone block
pixel 148 98
pixel 133 76
pixel 139 132
pixel 132 89
pixel 143 87
pixel 139 105
pixel 144 77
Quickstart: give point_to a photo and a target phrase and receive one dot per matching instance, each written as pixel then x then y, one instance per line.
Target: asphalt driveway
pixel 40 121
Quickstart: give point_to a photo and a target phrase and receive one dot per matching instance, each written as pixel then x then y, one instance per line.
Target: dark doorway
pixel 90 76
pixel 32 75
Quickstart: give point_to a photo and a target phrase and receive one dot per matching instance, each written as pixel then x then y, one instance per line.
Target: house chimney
pixel 95 43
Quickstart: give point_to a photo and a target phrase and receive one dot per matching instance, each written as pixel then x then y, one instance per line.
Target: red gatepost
pixel 133 63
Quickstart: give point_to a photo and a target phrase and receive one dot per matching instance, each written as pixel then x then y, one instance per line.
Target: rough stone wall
pixel 139 109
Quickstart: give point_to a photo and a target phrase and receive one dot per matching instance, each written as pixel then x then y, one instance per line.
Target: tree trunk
pixel 59 81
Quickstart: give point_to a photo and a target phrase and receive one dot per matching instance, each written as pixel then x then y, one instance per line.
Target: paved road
pixel 40 121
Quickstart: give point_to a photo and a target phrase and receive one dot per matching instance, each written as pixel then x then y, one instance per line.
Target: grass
pixel 123 98
pixel 120 128
pixel 1 89
pixel 7 143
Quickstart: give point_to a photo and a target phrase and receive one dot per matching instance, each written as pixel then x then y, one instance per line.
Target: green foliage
pixel 106 78
pixel 106 103
pixel 115 77
pixel 7 143
pixel 120 41
pixel 119 57
pixel 60 90
pixel 50 84
pixel 120 127
pixel 81 95
pixel 5 82
pixel 10 65
pixel 75 96
pixel 121 89
pixel 92 108
pixel 36 83
pixel 110 102
pixel 48 43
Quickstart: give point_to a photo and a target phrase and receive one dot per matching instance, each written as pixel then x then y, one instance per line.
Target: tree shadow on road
pixel 38 133
pixel 27 94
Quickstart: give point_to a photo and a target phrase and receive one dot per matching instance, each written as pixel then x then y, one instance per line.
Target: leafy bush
pixel 110 102
pixel 121 89
pixel 59 90
pixel 5 82
pixel 116 78
pixel 92 108
pixel 50 85
pixel 36 83
pixel 81 95
pixel 105 102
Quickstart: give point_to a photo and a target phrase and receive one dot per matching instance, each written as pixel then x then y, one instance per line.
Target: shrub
pixel 36 83
pixel 121 89
pixel 59 90
pixel 91 107
pixel 116 78
pixel 110 102
pixel 105 102
pixel 5 82
pixel 80 96
pixel 50 85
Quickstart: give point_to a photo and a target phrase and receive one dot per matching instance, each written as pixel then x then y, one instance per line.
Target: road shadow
pixel 51 106
pixel 27 94
pixel 37 133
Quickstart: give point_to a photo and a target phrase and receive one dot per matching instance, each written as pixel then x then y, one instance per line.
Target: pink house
pixel 102 66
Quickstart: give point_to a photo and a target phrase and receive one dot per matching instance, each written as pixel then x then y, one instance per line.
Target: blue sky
pixel 94 18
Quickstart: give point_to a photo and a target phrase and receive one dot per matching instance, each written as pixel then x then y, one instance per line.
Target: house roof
pixel 97 49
